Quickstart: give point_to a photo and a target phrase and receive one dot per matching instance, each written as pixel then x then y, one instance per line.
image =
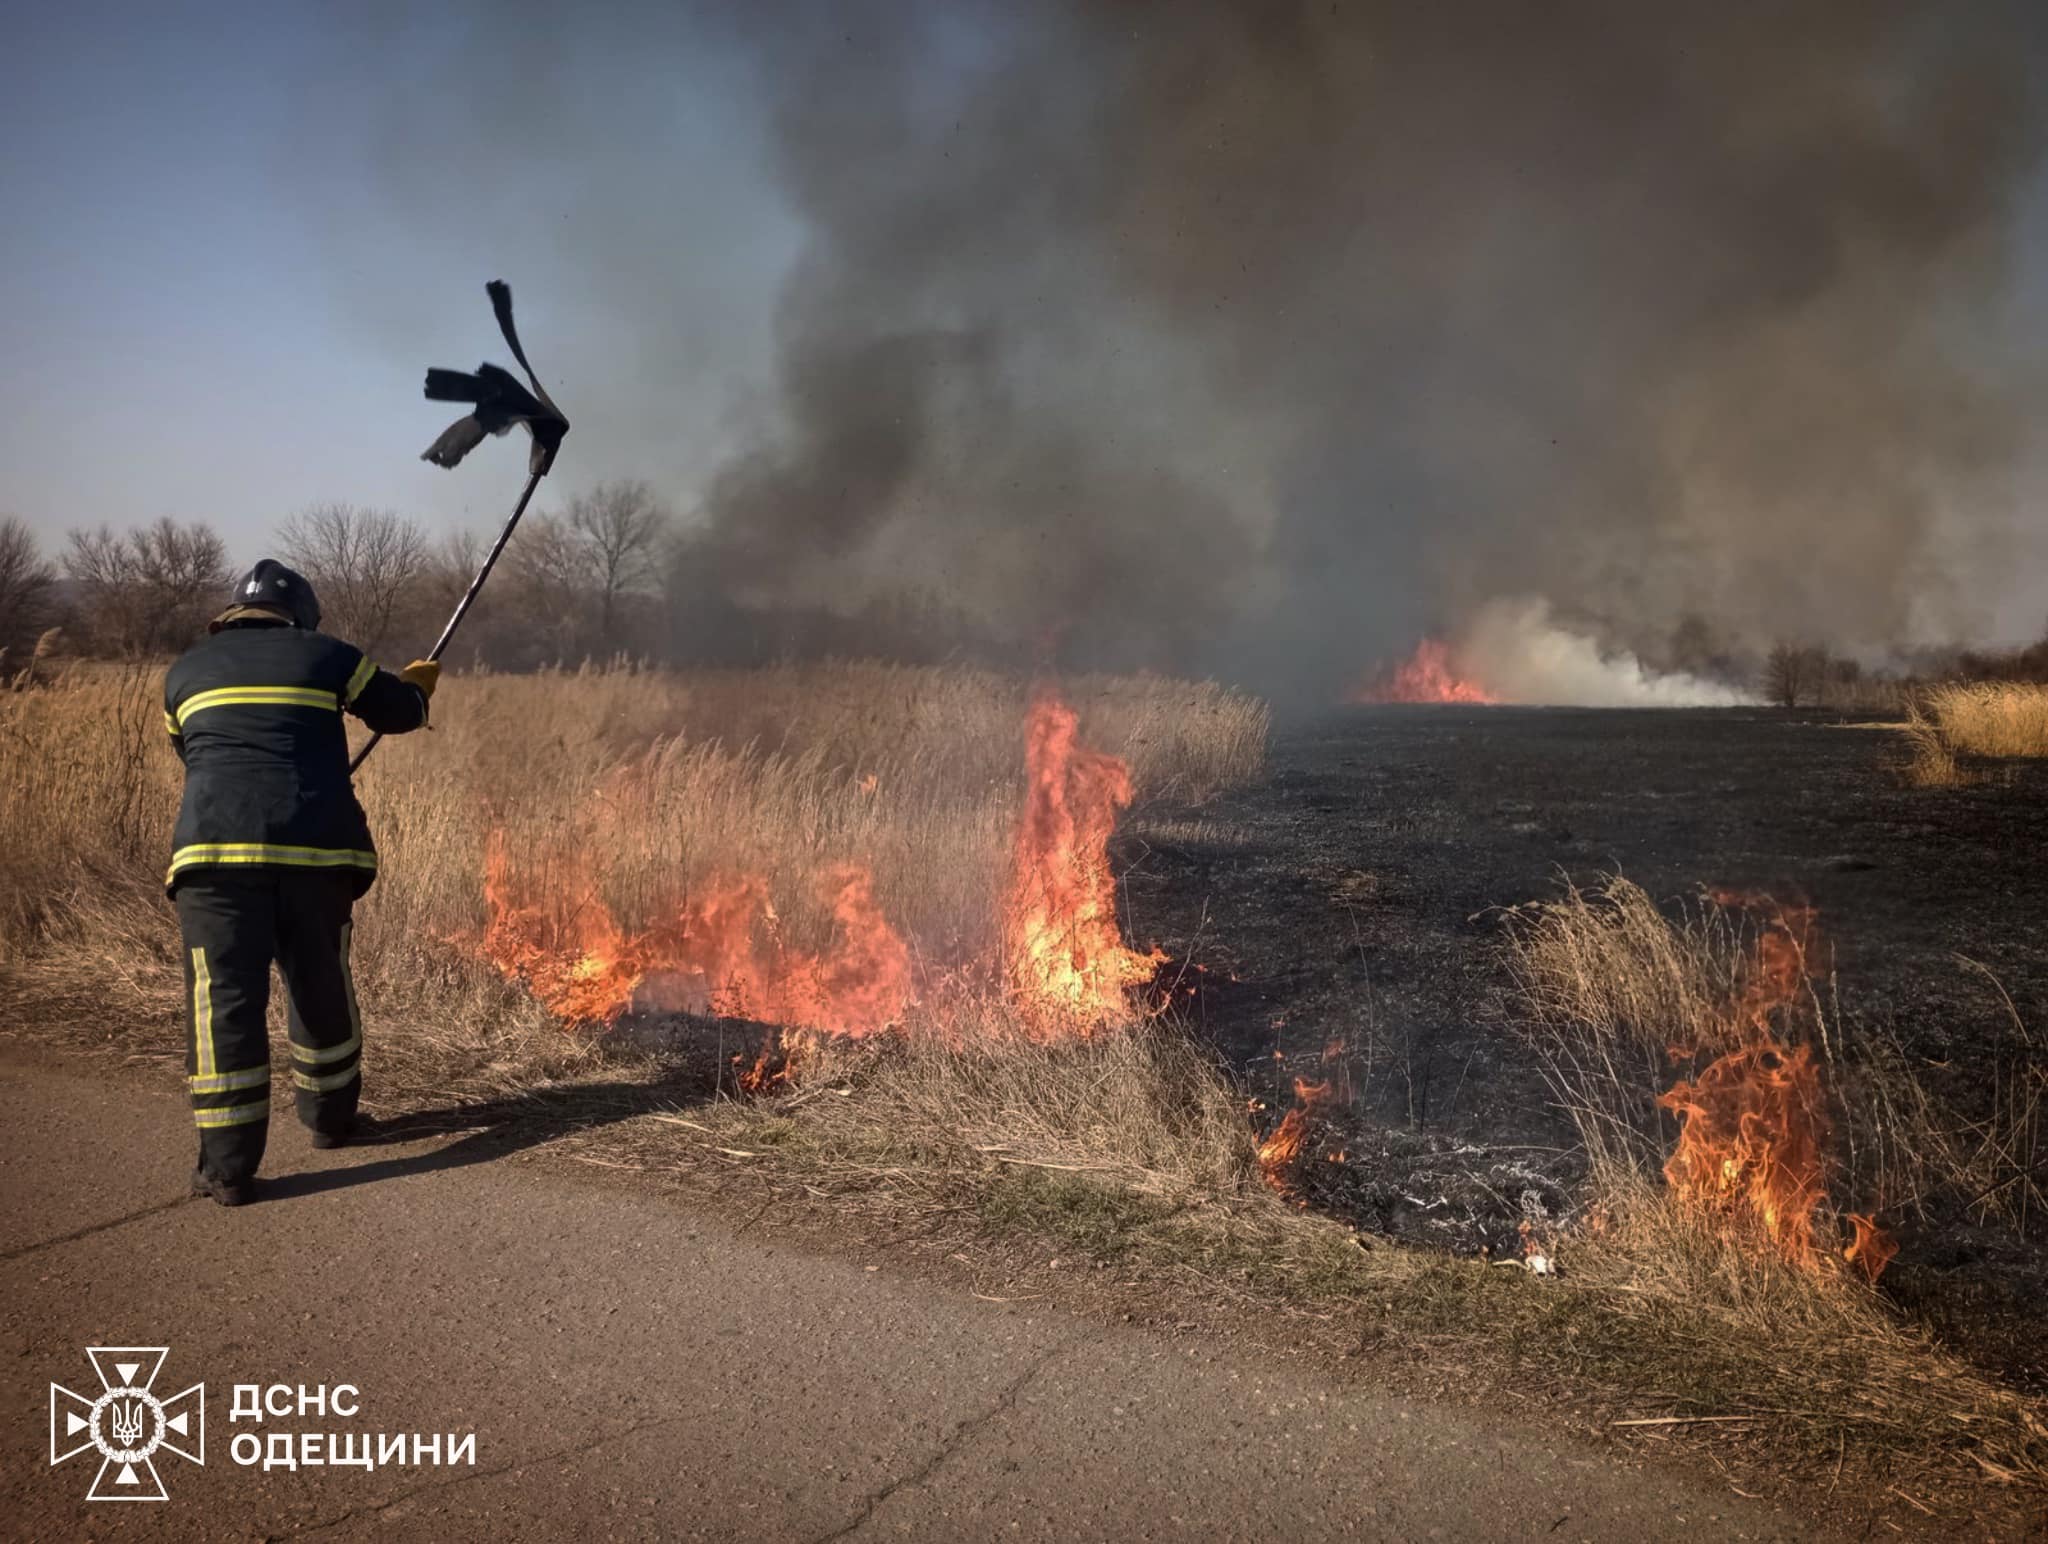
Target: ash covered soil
pixel 1341 920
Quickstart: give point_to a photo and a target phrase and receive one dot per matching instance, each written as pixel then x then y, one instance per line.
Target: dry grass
pixel 1948 727
pixel 1608 983
pixel 1132 1150
pixel 1934 1162
pixel 1931 760
pixel 1992 718
pixel 1142 1112
pixel 656 780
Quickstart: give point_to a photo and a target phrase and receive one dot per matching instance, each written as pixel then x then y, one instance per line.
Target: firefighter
pixel 270 855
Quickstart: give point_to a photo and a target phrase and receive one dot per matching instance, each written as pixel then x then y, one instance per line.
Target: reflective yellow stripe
pixel 234 1115
pixel 170 725
pixel 257 696
pixel 326 1081
pixel 348 1047
pixel 265 852
pixel 359 680
pixel 202 1014
pixel 228 1082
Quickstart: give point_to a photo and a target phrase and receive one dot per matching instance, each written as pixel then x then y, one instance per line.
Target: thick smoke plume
pixel 1266 337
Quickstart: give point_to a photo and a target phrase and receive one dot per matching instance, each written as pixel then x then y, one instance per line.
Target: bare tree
pixel 28 588
pixel 1793 673
pixel 491 634
pixel 552 579
pixel 148 590
pixel 620 526
pixel 363 562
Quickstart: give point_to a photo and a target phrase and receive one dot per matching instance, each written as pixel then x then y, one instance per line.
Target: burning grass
pixel 1702 1048
pixel 860 849
pixel 1749 1155
pixel 645 794
pixel 1131 1152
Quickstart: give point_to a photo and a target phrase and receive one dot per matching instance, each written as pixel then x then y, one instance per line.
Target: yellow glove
pixel 423 673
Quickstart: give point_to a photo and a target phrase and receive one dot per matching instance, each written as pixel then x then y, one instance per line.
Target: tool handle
pixel 468 597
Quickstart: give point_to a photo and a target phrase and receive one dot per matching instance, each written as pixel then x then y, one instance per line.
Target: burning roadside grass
pixel 1128 1155
pixel 1116 1136
pixel 1063 966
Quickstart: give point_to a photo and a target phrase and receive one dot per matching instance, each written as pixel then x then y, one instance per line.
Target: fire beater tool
pixel 499 403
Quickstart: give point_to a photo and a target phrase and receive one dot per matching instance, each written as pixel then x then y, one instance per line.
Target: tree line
pixel 612 573
pixel 584 582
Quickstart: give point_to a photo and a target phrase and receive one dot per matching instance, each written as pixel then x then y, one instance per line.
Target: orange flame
pixel 722 951
pixel 1280 1153
pixel 1427 675
pixel 1754 1131
pixel 1752 1144
pixel 1069 970
pixel 562 942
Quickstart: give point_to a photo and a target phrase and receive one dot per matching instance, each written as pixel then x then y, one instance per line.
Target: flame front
pixel 721 951
pixel 559 939
pixel 1069 969
pixel 1064 963
pixel 1428 675
pixel 1753 1141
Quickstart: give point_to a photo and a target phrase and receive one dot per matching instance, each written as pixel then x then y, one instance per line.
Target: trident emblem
pixel 126 1421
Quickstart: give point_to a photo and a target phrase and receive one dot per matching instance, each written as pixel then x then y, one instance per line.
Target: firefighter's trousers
pixel 236 922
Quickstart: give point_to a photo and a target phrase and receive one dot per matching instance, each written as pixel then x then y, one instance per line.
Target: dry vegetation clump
pixel 1143 1111
pixel 1992 718
pixel 1948 726
pixel 1935 1162
pixel 1611 988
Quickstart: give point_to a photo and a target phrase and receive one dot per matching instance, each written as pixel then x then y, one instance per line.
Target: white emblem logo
pixel 127 1423
pixel 255 586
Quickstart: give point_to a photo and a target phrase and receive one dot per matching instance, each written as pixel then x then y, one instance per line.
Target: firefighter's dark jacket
pixel 255 714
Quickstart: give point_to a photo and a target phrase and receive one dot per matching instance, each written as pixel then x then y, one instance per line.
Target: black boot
pixel 228 1192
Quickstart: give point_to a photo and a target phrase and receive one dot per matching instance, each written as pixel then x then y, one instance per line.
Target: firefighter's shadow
pixel 489 1129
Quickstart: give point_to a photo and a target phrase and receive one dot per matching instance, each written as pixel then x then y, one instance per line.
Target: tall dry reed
pixel 1948 727
pixel 647 782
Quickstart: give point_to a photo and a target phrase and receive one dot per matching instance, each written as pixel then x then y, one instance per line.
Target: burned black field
pixel 1341 923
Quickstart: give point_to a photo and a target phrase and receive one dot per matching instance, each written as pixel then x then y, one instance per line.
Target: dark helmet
pixel 273 587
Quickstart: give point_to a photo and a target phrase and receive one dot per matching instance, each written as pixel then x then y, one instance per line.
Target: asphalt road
pixel 632 1369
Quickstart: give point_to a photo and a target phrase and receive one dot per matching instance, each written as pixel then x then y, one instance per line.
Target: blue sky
pixel 228 261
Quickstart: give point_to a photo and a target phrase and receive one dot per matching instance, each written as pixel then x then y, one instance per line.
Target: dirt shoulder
pixel 637 1367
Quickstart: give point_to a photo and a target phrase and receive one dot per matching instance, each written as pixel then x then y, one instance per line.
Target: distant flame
pixel 1427 675
pixel 1069 970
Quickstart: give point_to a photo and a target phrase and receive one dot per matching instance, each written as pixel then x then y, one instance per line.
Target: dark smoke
pixel 1262 337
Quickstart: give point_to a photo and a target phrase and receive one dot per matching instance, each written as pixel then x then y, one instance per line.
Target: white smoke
pixel 1521 654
